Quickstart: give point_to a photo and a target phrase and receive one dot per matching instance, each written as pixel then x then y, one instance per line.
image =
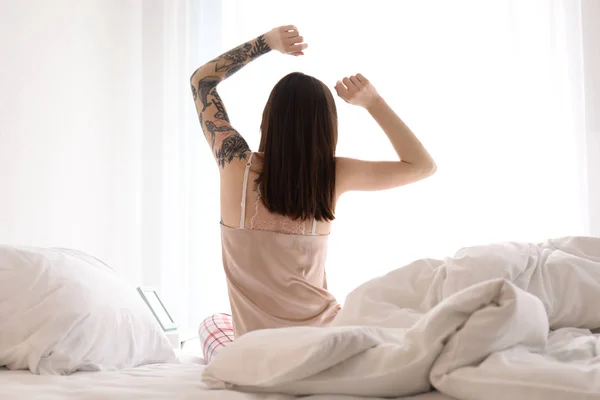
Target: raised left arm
pixel 225 142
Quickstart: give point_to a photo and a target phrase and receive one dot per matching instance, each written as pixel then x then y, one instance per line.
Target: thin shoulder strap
pixel 244 189
pixel 314 228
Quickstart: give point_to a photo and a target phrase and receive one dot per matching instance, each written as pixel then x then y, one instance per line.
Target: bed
pixel 55 348
pixel 159 381
pixel 493 322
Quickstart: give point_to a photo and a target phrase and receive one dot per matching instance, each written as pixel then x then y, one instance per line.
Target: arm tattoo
pixel 204 81
pixel 260 47
pixel 194 92
pixel 237 56
pixel 234 60
pixel 233 69
pixel 233 146
pixel 213 129
pixel 205 85
pixel 221 112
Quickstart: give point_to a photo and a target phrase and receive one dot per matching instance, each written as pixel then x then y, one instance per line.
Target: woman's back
pixel 257 216
pixel 275 266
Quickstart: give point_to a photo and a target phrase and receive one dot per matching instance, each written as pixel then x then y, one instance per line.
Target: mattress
pixel 161 381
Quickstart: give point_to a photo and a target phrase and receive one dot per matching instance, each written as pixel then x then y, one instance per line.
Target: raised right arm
pixel 414 164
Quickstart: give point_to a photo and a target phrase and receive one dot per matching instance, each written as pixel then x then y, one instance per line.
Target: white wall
pixel 69 82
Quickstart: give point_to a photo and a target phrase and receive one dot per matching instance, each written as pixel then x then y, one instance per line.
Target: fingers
pixel 356 82
pixel 287 28
pixel 299 47
pixel 294 40
pixel 348 83
pixel 341 90
pixel 295 48
pixel 350 86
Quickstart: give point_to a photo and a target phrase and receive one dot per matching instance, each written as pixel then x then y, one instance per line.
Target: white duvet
pixel 504 321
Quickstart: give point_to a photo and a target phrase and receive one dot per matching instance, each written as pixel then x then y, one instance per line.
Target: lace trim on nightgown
pixel 263 220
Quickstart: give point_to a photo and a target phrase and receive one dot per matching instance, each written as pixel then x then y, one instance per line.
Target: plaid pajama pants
pixel 215 333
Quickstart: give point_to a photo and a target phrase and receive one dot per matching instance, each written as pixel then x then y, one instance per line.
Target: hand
pixel 357 90
pixel 287 40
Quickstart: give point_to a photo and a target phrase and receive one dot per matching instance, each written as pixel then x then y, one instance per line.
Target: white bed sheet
pixel 165 381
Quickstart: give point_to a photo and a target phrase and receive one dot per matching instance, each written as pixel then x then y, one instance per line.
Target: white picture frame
pixel 158 309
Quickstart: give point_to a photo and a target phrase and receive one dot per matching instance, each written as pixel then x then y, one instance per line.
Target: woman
pixel 277 205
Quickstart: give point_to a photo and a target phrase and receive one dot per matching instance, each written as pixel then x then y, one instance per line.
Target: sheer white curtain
pixel 161 185
pixel 98 138
pixel 494 89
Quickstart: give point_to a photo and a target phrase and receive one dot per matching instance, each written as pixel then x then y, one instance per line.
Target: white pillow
pixel 63 311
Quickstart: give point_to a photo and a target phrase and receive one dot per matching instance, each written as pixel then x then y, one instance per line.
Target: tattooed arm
pixel 225 142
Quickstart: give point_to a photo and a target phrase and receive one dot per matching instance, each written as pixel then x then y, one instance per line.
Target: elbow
pixel 432 168
pixel 427 169
pixel 197 75
pixel 194 78
pixel 207 74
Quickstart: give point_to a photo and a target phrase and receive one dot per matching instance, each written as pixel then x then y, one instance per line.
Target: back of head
pixel 298 139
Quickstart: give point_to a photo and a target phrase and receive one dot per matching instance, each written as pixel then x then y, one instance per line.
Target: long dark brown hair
pixel 299 132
